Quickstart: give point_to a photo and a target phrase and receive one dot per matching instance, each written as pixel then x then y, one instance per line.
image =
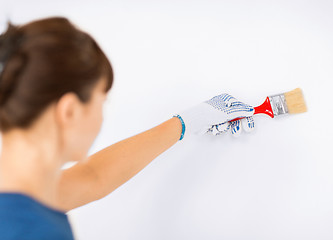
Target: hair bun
pixel 9 42
pixel 1 67
pixel 9 45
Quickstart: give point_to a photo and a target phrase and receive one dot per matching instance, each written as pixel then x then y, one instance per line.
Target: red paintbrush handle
pixel 264 108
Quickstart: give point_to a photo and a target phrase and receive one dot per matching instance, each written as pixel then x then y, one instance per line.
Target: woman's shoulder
pixel 23 217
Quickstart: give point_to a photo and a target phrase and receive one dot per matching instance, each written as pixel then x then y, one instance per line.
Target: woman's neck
pixel 29 167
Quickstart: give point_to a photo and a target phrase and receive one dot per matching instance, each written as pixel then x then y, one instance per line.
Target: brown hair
pixel 42 60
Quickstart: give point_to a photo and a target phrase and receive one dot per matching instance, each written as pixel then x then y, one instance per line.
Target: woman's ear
pixel 68 109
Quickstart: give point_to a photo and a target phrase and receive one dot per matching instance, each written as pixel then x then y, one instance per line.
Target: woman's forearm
pixel 112 166
pixel 119 162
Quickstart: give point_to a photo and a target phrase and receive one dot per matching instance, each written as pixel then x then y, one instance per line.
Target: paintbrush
pixel 285 103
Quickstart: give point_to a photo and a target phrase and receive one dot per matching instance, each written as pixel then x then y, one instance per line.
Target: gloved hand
pixel 213 116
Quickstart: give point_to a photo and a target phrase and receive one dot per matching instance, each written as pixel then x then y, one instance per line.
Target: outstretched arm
pixel 112 166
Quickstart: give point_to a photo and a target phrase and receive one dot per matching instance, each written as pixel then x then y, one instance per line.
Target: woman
pixel 54 79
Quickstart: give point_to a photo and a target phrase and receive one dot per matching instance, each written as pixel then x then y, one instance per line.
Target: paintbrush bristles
pixel 295 101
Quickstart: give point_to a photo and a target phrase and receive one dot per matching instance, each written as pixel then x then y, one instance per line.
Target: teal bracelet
pixel 183 126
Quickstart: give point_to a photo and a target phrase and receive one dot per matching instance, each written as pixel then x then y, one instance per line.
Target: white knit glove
pixel 213 117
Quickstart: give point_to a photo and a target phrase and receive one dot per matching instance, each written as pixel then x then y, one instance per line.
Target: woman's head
pixel 47 64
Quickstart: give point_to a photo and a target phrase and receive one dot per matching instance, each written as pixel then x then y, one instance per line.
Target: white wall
pixel 275 183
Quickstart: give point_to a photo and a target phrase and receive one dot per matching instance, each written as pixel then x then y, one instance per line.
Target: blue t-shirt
pixel 24 218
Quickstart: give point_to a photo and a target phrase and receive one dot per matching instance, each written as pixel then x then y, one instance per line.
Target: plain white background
pixel 275 183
